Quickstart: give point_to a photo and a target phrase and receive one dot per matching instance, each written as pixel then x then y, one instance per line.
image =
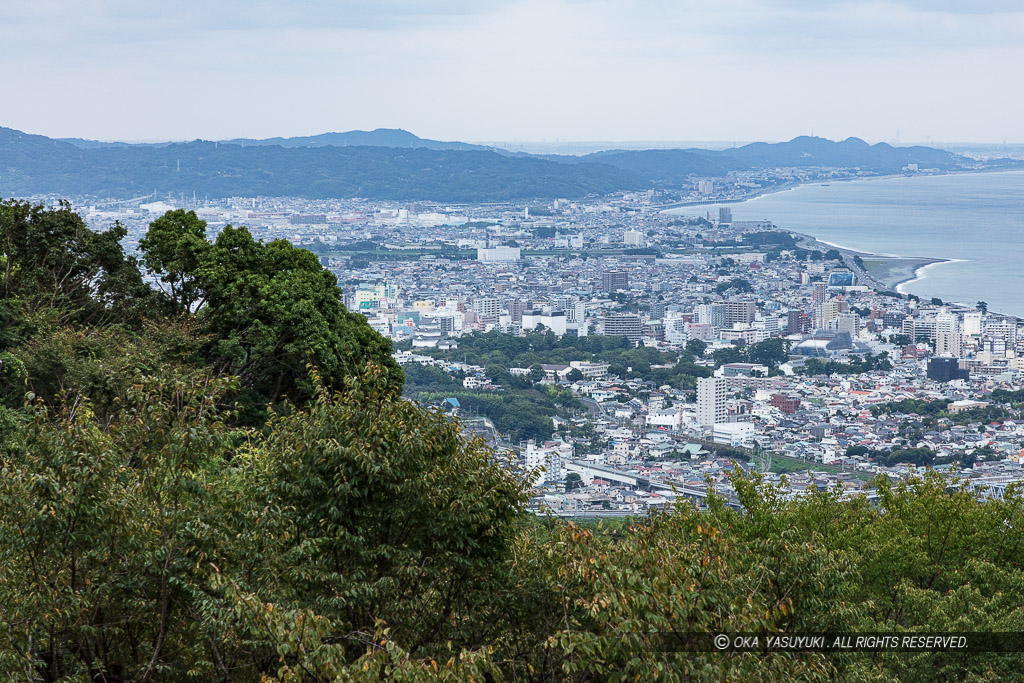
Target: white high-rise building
pixel 711 401
pixel 675 330
pixel 947 322
pixel 550 458
pixel 633 238
pixel 497 254
pixel 972 324
pixel 487 305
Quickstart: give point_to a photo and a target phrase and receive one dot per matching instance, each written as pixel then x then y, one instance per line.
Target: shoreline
pixel 920 273
pixel 668 208
pixel 884 272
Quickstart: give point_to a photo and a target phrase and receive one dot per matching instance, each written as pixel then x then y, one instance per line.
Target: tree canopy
pixel 148 532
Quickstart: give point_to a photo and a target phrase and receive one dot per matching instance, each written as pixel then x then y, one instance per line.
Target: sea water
pixel 975 218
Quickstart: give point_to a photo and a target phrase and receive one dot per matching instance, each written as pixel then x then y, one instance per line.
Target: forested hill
pixel 32 164
pixel 397 165
pixel 675 165
pixel 380 137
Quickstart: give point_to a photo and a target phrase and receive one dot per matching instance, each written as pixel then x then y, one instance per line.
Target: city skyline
pixel 518 70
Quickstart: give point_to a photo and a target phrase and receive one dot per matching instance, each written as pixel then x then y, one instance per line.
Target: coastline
pixel 899 272
pixel 786 187
pixel 920 273
pixel 884 272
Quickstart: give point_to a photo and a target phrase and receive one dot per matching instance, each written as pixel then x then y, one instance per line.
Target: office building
pixel 627 325
pixel 740 311
pixel 946 370
pixel 614 280
pixel 497 254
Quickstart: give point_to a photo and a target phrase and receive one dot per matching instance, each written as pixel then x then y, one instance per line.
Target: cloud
pixel 503 69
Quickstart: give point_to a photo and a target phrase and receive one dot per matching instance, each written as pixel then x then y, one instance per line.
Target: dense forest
pixel 217 479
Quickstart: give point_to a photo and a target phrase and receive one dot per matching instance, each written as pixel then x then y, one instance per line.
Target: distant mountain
pixel 381 137
pixel 672 166
pixel 397 165
pixel 666 166
pixel 33 164
pixel 850 153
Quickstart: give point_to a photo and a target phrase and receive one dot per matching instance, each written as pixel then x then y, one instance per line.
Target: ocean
pixel 976 220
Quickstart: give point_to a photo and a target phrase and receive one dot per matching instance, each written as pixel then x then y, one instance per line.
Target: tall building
pixel 488 305
pixel 711 401
pixel 945 370
pixel 633 238
pixel 949 344
pixel 848 322
pixel 711 314
pixel 825 313
pixel 614 280
pixel 740 311
pixel 576 312
pixel 706 186
pixel 795 322
pixel 724 214
pixel 627 325
pixel 676 331
pixel 947 322
pixel 820 293
pixel 497 254
pixel 515 310
pixel 972 323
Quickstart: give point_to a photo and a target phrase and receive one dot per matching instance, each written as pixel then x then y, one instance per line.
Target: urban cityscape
pixel 728 343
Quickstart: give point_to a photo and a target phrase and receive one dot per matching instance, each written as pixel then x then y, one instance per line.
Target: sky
pixel 516 70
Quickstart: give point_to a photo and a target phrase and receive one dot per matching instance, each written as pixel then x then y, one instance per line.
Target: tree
pixel 575 375
pixel 270 309
pixel 383 511
pixel 51 261
pixel 771 352
pixel 175 248
pixel 536 373
pixel 573 481
pixel 982 306
pixel 696 348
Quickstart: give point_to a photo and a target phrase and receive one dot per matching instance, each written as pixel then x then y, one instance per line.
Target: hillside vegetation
pixel 219 481
pixel 396 165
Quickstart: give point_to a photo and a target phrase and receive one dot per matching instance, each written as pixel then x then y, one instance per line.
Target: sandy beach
pixel 881 271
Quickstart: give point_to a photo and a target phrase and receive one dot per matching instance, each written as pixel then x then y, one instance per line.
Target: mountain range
pixel 390 164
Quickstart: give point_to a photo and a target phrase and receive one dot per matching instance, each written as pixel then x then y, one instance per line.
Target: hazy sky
pixel 485 70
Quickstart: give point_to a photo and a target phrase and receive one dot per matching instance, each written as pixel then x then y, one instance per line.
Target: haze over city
pixel 528 70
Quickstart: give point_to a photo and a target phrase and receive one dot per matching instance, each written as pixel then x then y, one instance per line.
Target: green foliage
pixel 225 170
pixel 938 409
pixel 146 536
pixel 175 246
pixel 52 261
pixel 856 365
pixel 735 285
pixel 696 348
pixel 268 308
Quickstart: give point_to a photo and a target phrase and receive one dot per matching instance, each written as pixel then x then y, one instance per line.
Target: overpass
pixel 588 472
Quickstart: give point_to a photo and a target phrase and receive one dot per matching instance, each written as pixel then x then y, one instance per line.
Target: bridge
pixel 588 472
